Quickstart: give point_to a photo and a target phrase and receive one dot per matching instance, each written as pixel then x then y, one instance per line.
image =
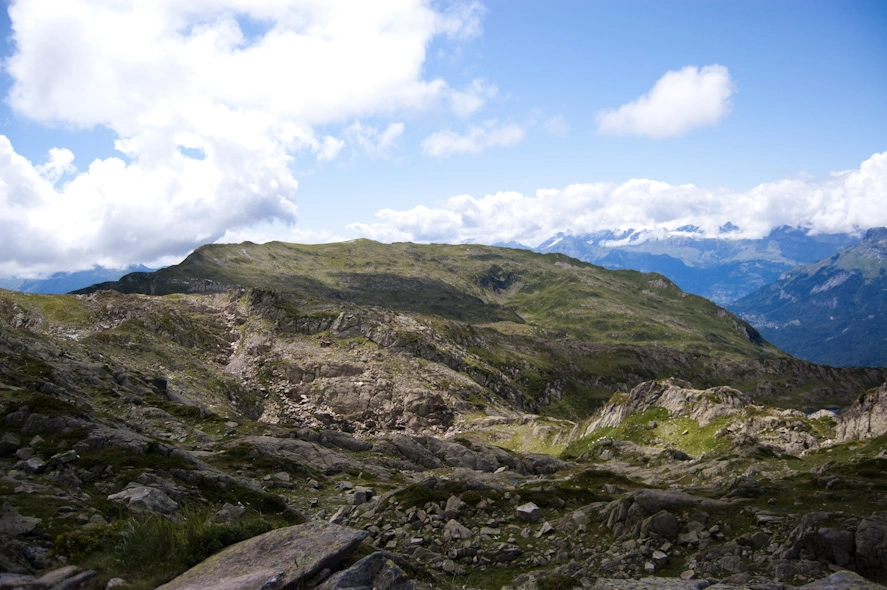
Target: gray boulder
pixel 871 548
pixel 453 531
pixel 13 524
pixel 290 557
pixel 529 512
pixel 140 499
pixel 663 524
pixel 843 580
pixel 378 570
pixel 9 444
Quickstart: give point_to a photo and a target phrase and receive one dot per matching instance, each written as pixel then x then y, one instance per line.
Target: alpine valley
pixel 359 415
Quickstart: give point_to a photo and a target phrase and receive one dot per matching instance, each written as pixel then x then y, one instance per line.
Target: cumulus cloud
pixel 843 202
pixel 210 102
pixel 679 102
pixel 476 140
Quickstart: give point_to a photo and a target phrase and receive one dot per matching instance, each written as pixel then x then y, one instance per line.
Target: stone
pixel 33 465
pixel 663 524
pixel 546 529
pixel 64 458
pixel 13 524
pixel 529 512
pixel 140 499
pixel 229 512
pixel 360 495
pixel 341 514
pixel 9 444
pixel 660 558
pixel 871 548
pixel 453 507
pixel 377 570
pixel 507 553
pixel 843 580
pixel 54 577
pixel 288 557
pixel 580 518
pixel 453 530
pixel 115 583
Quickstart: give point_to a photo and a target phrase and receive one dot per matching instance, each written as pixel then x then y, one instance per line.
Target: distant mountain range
pixel 65 282
pixel 722 269
pixel 831 312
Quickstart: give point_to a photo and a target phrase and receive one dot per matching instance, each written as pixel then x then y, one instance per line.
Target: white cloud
pixel 329 149
pixel 276 231
pixel 60 163
pixel 462 20
pixel 467 102
pixel 679 102
pixel 210 119
pixel 475 141
pixel 371 140
pixel 843 202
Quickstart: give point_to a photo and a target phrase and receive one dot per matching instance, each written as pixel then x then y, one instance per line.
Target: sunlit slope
pixel 521 291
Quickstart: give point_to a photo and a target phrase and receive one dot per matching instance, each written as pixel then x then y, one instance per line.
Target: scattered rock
pixel 529 512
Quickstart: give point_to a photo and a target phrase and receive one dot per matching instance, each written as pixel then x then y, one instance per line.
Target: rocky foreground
pixel 405 511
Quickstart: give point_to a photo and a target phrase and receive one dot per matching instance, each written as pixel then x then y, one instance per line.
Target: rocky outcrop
pixel 649 511
pixel 674 395
pixel 294 557
pixel 866 418
pixel 860 544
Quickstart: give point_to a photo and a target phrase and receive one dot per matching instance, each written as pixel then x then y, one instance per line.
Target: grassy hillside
pixel 476 284
pixel 547 333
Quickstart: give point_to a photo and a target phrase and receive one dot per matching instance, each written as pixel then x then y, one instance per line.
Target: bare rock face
pixel 866 418
pixel 292 557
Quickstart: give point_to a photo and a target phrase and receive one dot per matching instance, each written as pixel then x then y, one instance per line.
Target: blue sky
pixel 134 134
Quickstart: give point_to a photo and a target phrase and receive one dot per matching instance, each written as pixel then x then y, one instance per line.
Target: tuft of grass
pixel 152 550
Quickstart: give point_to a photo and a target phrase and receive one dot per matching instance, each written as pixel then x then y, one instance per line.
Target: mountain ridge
pixel 722 269
pixel 833 311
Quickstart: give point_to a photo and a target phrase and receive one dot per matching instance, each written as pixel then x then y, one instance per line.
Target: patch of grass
pixel 419 495
pixel 555 581
pixel 492 577
pixel 243 454
pixel 148 551
pixel 154 458
pixel 233 492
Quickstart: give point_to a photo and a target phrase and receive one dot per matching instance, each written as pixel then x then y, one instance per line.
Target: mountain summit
pixel 722 268
pixel 833 311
